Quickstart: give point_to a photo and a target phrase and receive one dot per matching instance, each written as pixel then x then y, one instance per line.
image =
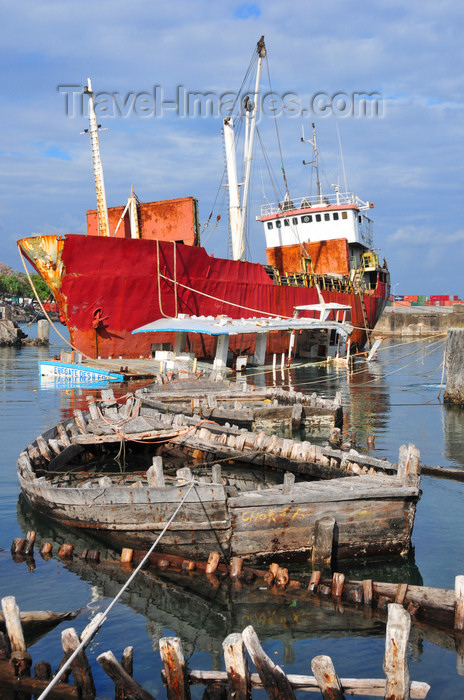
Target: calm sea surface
pixel 396 399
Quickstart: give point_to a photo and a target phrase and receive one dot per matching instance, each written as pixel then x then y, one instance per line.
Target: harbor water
pixel 395 398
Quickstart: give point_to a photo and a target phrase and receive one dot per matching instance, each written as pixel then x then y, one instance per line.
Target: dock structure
pixel 236 681
pixel 454 363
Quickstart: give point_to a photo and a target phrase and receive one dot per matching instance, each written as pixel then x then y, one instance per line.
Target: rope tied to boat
pixel 100 618
pixel 159 276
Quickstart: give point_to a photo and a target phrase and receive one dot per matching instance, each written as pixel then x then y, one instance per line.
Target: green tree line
pixel 16 284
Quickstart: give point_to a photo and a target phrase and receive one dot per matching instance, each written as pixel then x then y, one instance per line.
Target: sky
pixel 405 154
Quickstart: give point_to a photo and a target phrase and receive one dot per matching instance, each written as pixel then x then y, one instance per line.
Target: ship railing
pixel 330 283
pixel 305 202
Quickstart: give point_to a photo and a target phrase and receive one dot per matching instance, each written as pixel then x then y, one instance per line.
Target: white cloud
pixel 409 162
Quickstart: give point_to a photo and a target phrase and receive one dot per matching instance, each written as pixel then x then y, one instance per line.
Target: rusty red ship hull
pixel 107 287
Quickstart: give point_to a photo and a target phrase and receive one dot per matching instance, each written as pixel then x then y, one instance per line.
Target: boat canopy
pixel 224 325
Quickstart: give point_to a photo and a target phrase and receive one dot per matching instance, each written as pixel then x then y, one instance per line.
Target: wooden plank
pixel 396 653
pixel 274 680
pixel 80 421
pixel 327 679
pixel 33 686
pixel 352 686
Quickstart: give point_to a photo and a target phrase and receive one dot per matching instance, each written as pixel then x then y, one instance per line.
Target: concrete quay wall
pixel 419 320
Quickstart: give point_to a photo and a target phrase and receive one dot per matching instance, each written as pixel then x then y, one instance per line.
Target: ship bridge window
pixel 335 215
pixel 327 217
pixel 344 214
pixel 318 217
pixel 269 224
pixel 294 221
pixel 306 219
pixel 286 222
pixel 278 224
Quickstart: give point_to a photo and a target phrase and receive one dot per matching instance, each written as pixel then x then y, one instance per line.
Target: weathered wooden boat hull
pixel 238 509
pixel 259 524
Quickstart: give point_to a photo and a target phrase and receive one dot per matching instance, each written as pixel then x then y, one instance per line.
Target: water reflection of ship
pixel 203 612
pixel 365 394
pixel 368 400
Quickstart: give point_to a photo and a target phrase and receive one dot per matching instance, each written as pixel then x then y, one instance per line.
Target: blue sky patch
pixel 246 11
pixel 57 152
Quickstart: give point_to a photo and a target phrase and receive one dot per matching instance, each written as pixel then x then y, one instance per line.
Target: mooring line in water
pixel 93 627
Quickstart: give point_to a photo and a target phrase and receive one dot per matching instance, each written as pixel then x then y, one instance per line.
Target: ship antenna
pixel 314 162
pixel 102 209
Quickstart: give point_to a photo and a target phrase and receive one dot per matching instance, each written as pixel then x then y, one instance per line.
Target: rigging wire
pixel 277 133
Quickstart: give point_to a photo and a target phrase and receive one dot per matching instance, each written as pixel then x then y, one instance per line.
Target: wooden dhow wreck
pixel 123 470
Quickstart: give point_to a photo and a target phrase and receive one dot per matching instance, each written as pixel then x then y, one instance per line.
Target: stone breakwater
pixel 419 320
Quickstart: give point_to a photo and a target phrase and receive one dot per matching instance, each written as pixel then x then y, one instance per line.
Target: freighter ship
pixel 144 262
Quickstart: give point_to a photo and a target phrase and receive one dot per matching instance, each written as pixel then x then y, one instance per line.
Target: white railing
pixel 325 200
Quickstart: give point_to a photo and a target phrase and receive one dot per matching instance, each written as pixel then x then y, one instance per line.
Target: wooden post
pixel 327 679
pixel 184 475
pixel 172 656
pixel 367 589
pixel 126 555
pixel 282 577
pixel 45 549
pixel 274 680
pixel 401 593
pixel 13 624
pixel 17 545
pixel 289 480
pixel 459 610
pixel 80 667
pixel 66 551
pixel 323 541
pixel 216 475
pixel 395 662
pixel 127 660
pixel 314 581
pixel 409 465
pixel 30 539
pixel 236 564
pixel 337 585
pixel 238 675
pixel 155 474
pixel 120 677
pixel 213 562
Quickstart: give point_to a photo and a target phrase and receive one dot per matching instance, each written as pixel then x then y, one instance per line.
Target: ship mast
pixel 97 165
pixel 314 162
pixel 237 211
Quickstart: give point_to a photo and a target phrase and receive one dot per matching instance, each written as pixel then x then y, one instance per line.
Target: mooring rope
pixel 100 618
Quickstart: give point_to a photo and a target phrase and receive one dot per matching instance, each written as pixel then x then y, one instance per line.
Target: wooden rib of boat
pixel 102 471
pixel 271 409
